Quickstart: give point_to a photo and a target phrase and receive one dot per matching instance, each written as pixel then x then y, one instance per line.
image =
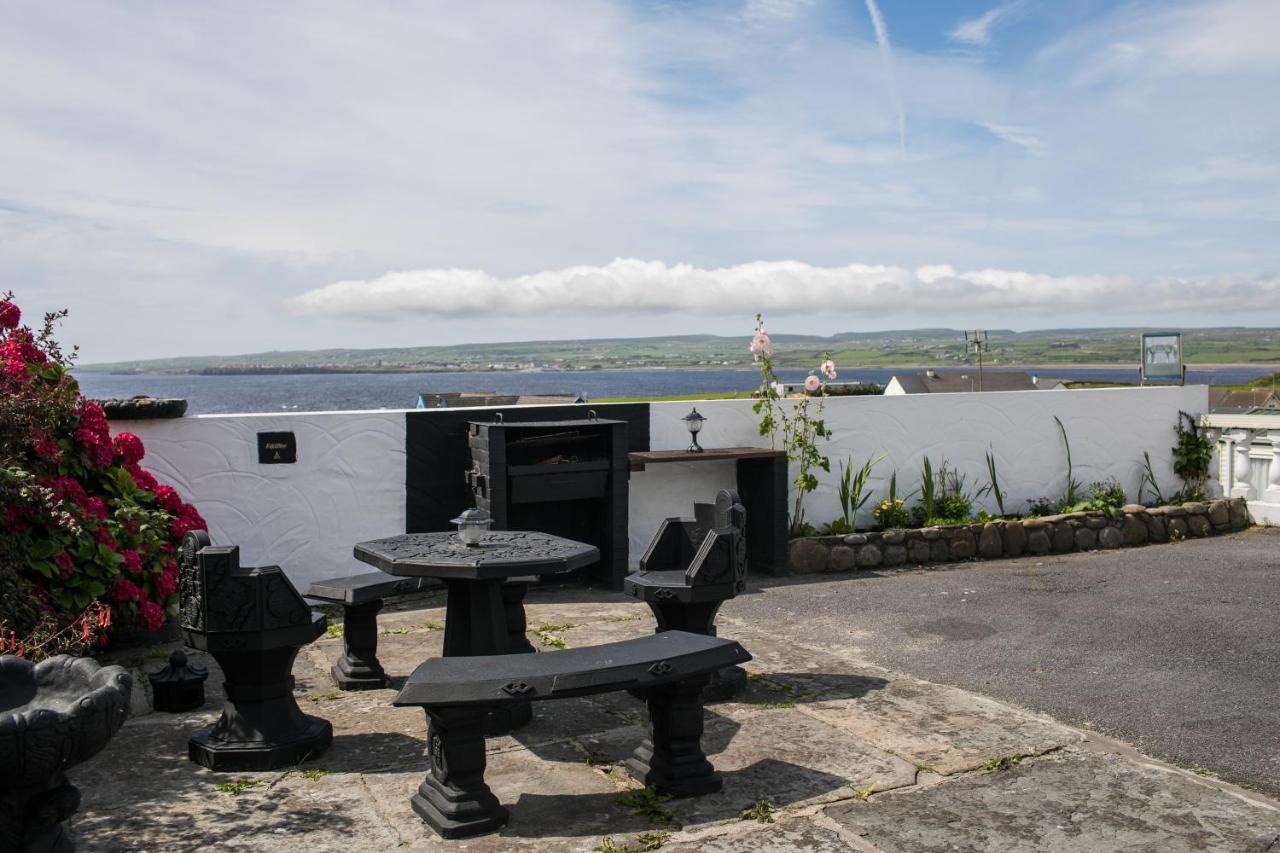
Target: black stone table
pixel 484 612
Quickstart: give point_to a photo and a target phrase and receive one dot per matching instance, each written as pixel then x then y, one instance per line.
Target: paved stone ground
pixel 1173 648
pixel 845 755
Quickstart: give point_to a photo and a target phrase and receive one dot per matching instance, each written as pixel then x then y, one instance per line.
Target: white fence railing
pixel 1248 460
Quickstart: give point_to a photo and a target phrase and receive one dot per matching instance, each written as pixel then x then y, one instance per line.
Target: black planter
pixel 53 716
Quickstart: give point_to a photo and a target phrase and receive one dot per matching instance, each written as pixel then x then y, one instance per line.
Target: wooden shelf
pixel 639 459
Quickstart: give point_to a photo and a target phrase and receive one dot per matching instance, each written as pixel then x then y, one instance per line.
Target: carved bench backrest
pixel 221 596
pixel 722 556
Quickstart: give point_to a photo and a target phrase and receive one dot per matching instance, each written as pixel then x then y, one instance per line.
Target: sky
pixel 212 178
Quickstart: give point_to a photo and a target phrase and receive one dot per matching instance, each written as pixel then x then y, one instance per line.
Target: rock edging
pixel 1132 526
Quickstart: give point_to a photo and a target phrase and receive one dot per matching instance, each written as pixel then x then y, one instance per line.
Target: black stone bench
pixel 691 567
pixel 361 597
pixel 670 669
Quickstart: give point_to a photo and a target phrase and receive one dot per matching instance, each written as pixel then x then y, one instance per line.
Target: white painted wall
pixel 347 485
pixel 1108 428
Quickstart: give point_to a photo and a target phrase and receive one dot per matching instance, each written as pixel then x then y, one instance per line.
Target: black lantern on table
pixel 472 526
pixel 694 422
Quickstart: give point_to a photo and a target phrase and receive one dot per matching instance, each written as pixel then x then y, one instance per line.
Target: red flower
pixel 126 590
pixel 10 316
pixel 168 499
pixel 132 562
pixel 103 537
pixel 94 506
pixel 151 616
pixel 129 446
pixel 65 566
pixel 47 449
pixel 166 584
pixel 142 478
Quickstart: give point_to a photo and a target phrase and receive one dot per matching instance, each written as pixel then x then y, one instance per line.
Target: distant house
pixel 933 382
pixel 1256 400
pixel 1047 383
pixel 475 399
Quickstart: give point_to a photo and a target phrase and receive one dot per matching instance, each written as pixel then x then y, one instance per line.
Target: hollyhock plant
pixel 81 521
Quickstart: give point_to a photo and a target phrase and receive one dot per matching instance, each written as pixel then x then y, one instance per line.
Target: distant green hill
pixel 897 348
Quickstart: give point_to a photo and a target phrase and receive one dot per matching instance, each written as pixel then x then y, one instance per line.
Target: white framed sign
pixel 1162 357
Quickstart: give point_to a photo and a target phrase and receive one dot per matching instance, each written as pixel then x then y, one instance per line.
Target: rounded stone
pixel 1064 537
pixel 807 556
pixel 1127 508
pixel 1177 528
pixel 1095 521
pixel 1198 525
pixel 895 555
pixel 930 533
pixel 868 556
pixel 1034 524
pixel 841 558
pixel 894 536
pixel 1110 537
pixel 1133 531
pixel 1196 508
pixel 919 551
pixel 1219 514
pixel 990 543
pixel 1158 530
pixel 938 551
pixel 1086 539
pixel 1238 511
pixel 1015 538
pixel 1038 542
pixel 963 545
pixel 1175 512
pixel 856 539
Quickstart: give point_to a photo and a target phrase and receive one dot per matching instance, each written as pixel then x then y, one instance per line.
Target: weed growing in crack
pixel 1004 762
pixel 235 788
pixel 647 803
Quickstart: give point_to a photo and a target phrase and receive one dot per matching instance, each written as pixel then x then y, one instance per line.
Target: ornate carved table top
pixel 500 554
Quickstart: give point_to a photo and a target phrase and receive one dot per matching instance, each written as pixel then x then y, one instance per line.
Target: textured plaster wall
pixel 1108 430
pixel 347 485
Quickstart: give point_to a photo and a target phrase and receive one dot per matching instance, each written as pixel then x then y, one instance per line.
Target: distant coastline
pixel 308 371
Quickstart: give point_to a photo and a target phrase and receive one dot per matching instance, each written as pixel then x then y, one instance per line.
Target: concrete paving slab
pixel 1068 803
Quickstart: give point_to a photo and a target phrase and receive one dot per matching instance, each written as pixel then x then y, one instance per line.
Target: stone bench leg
pixel 453 799
pixel 671 759
pixel 359 667
pixel 700 618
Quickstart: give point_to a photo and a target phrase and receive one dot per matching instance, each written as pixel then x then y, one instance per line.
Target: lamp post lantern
pixel 694 422
pixel 472 526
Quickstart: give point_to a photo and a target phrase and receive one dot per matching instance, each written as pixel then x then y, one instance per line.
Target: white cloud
pixel 886 57
pixel 783 287
pixel 977 31
pixel 1017 136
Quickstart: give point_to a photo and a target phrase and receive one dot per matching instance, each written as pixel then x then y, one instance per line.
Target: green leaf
pixel 43 549
pixel 43 568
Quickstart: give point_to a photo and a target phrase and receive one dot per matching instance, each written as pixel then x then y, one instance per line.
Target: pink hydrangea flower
pixel 132 562
pixel 126 590
pixel 129 446
pixel 151 616
pixel 812 383
pixel 10 316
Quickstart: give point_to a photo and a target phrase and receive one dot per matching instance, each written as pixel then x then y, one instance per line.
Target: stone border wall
pixel 1050 534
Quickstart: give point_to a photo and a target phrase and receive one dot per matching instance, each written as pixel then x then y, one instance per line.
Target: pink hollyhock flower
pixel 151 616
pixel 829 369
pixel 130 448
pixel 168 499
pixel 10 315
pixel 812 383
pixel 760 343
pixel 126 590
pixel 132 562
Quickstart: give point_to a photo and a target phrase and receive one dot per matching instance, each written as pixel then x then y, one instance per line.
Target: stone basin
pixel 53 715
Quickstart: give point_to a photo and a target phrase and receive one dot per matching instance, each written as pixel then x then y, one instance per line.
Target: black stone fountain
pixel 53 715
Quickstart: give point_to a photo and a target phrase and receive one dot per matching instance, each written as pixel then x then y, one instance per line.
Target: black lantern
pixel 472 525
pixel 694 422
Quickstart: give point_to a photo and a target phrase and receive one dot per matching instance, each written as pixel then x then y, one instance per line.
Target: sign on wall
pixel 1162 357
pixel 277 448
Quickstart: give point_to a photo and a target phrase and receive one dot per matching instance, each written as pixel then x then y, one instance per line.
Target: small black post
pixel 453 799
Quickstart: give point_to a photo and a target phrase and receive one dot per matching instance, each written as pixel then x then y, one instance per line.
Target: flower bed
pixel 1132 525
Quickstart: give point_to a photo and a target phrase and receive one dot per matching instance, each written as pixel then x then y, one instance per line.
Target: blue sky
pixel 213 178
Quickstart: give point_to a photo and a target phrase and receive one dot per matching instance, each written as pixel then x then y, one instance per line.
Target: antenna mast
pixel 978 340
